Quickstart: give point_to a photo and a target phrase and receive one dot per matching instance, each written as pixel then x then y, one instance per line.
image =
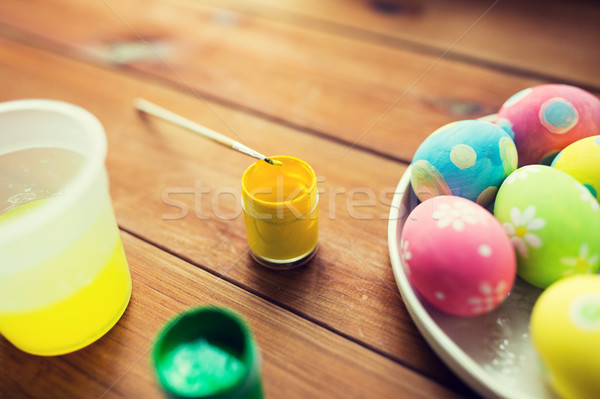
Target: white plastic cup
pixel 64 279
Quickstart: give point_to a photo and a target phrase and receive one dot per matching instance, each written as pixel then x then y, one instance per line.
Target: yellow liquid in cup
pixel 87 306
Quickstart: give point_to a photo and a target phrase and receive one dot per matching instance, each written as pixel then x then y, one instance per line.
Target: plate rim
pixel 451 354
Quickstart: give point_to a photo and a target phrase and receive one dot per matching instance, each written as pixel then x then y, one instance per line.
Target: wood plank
pixel 349 288
pixel 381 98
pixel 300 359
pixel 556 39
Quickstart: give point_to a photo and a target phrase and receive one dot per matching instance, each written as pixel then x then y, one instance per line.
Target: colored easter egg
pixel 565 330
pixel 457 256
pixel 553 222
pixel 544 119
pixel 469 159
pixel 582 161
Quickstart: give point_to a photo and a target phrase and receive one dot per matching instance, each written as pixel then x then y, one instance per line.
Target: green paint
pixel 591 311
pixel 208 353
pixel 201 368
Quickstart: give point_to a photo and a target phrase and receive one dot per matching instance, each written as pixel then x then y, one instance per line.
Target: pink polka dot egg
pixel 457 256
pixel 543 120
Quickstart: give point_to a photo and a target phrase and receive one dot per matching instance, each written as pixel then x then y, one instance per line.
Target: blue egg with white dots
pixel 469 159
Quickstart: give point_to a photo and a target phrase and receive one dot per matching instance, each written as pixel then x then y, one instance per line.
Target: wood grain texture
pixel 352 88
pixel 378 97
pixel 556 38
pixel 300 359
pixel 349 288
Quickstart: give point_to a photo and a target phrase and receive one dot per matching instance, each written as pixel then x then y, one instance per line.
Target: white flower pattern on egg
pixel 520 230
pixel 584 262
pixel 490 297
pixel 456 215
pixel 405 255
pixel 586 196
pixel 521 174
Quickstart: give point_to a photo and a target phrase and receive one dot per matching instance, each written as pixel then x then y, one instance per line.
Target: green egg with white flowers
pixel 553 222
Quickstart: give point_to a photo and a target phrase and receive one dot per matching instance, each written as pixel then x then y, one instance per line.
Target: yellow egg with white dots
pixel 565 329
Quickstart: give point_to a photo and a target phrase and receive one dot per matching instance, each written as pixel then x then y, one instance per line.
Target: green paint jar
pixel 208 353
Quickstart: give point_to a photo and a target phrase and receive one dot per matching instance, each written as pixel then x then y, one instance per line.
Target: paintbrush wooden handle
pixel 153 109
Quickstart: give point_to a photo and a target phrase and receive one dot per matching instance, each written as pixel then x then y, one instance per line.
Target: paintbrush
pixel 153 109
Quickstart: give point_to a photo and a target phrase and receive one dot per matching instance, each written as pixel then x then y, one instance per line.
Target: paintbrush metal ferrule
pixel 255 154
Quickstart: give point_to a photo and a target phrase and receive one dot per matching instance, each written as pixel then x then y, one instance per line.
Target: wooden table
pixel 350 87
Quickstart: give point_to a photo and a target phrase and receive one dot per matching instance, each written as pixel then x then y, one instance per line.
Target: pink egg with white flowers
pixel 457 256
pixel 545 119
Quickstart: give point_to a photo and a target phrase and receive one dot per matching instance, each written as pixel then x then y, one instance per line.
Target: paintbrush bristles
pixel 273 162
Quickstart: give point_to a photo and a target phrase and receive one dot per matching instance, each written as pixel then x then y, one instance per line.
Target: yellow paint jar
pixel 281 210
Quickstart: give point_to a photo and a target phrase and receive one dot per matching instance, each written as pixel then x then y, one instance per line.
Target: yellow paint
pixel 88 304
pixel 581 266
pixel 521 231
pixel 281 210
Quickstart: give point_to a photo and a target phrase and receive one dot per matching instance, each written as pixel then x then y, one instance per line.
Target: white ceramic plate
pixel 492 353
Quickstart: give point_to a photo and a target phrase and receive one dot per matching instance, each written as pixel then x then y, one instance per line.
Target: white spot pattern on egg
pixel 463 156
pixel 485 250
